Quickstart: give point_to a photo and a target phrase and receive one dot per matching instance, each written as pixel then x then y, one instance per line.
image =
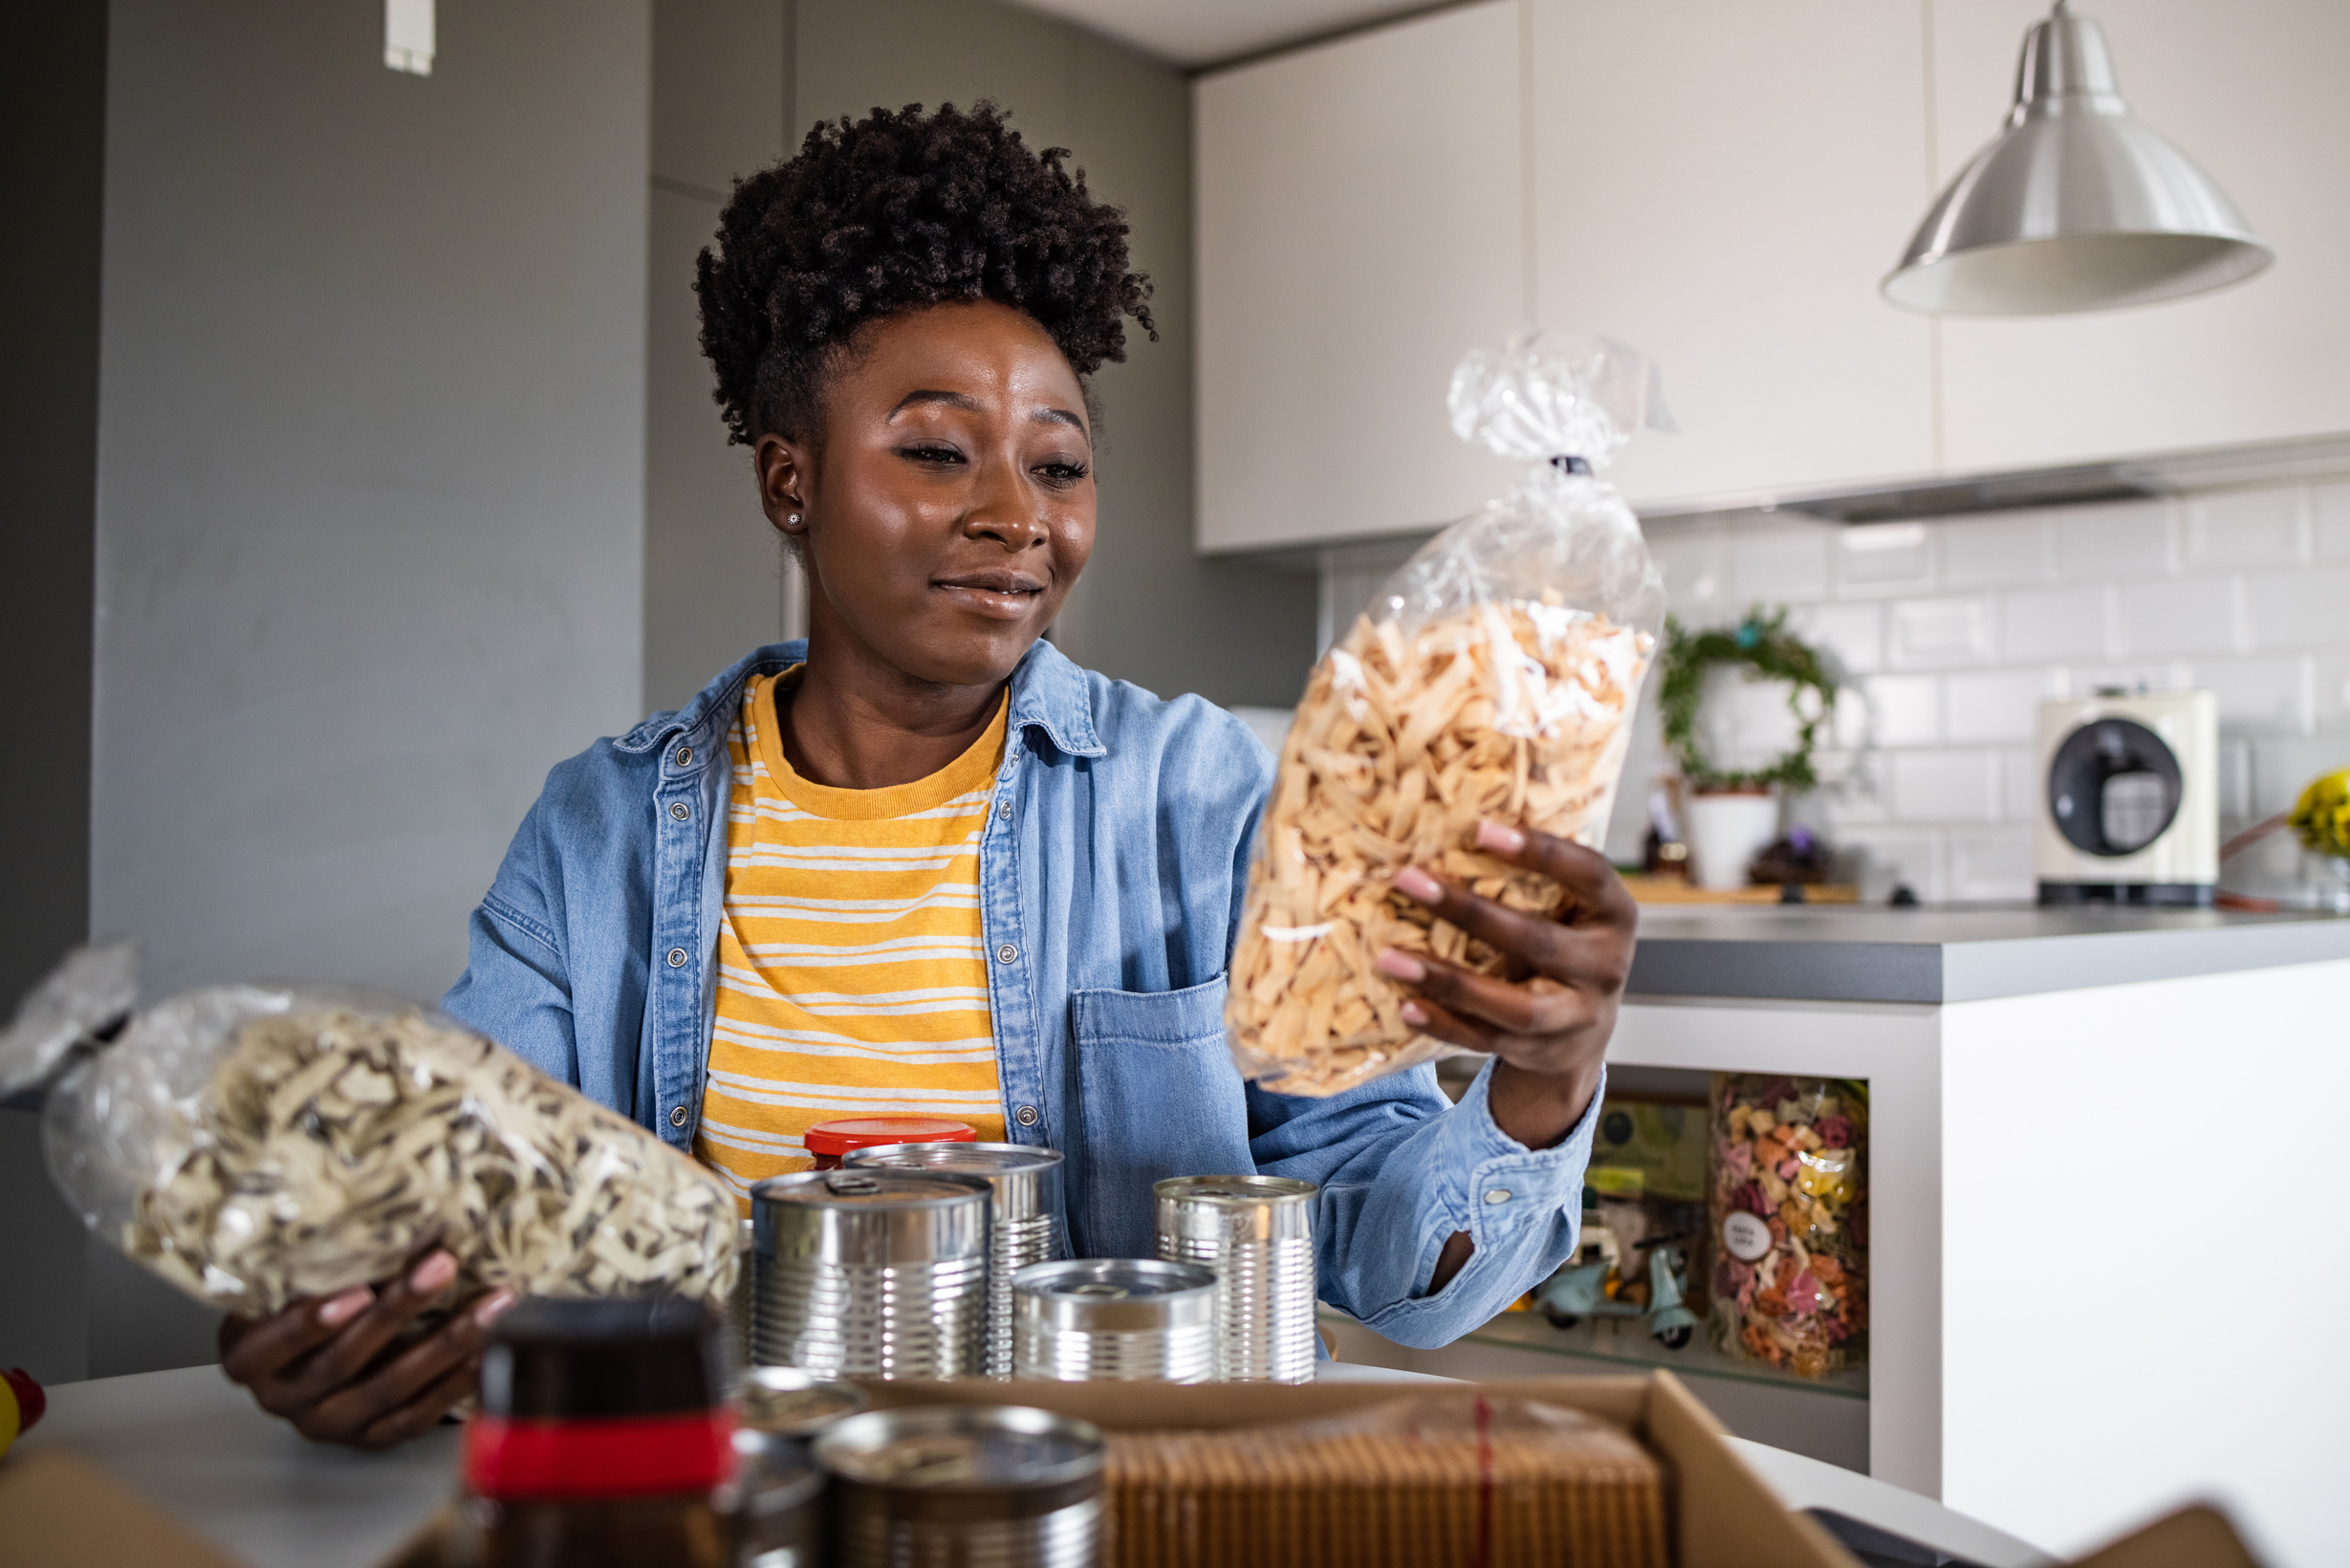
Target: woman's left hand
pixel 1549 1028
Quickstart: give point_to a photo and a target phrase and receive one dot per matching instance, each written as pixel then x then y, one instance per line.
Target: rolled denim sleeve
pixel 1400 1177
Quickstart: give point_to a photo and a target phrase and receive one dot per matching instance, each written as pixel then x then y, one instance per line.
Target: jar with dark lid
pixel 828 1142
pixel 603 1439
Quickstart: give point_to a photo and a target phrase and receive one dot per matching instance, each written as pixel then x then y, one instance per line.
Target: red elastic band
pixel 620 1456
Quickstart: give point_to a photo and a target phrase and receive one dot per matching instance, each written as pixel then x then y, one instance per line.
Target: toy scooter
pixel 1580 1288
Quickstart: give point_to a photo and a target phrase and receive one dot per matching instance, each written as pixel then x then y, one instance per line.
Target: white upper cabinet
pixel 2257 93
pixel 1360 227
pixel 1722 184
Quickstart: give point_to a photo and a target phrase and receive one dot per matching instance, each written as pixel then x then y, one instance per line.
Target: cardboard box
pixel 56 1512
pixel 1724 1517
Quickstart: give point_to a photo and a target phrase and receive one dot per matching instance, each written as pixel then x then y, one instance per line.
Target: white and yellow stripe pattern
pixel 852 970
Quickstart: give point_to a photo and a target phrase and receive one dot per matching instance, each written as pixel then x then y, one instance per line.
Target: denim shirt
pixel 1111 874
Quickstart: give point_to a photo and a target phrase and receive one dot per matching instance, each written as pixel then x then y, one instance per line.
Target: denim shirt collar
pixel 1048 693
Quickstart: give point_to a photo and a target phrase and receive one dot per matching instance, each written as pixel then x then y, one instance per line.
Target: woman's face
pixel 951 505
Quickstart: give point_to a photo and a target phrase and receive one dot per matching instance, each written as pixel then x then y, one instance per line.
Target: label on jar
pixel 1746 1236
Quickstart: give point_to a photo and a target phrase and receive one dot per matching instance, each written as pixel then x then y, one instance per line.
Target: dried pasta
pixel 1515 711
pixel 331 1145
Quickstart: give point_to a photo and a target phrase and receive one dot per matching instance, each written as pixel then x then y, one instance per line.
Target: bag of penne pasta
pixel 257 1143
pixel 1492 677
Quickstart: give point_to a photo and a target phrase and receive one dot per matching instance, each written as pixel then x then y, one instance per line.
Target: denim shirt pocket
pixel 1159 1097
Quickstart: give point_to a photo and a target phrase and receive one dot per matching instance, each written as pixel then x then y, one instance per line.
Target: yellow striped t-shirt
pixel 852 979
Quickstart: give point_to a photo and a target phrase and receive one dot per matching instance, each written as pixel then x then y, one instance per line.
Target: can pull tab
pixel 851 1184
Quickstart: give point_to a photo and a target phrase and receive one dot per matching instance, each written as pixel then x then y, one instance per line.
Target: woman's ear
pixel 785 483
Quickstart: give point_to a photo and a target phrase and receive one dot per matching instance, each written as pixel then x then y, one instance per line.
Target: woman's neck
pixel 856 721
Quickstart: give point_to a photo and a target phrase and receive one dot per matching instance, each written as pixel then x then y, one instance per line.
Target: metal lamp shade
pixel 2076 206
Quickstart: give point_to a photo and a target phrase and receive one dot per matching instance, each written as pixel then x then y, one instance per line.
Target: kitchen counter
pixel 1957 953
pixel 2102 1144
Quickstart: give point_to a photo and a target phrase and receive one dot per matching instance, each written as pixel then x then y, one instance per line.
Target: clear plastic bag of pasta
pixel 1494 677
pixel 258 1144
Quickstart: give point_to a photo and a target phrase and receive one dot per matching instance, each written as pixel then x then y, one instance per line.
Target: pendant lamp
pixel 2074 205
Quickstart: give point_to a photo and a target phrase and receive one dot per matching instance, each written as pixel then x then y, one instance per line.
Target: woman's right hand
pixel 327 1365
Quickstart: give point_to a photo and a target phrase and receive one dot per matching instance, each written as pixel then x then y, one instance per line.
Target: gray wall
pixel 371 482
pixel 52 122
pixel 1147 609
pixel 716 578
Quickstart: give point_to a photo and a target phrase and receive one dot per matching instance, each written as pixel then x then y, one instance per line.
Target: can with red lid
pixel 828 1140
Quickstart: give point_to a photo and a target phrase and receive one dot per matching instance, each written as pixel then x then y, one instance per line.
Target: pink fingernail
pixel 1403 965
pixel 341 1309
pixel 1415 1013
pixel 495 1308
pixel 1419 884
pixel 1501 841
pixel 432 1273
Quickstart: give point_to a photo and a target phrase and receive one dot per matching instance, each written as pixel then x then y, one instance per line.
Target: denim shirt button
pixel 677 958
pixel 1499 1194
pixel 679 811
pixel 684 756
pixel 677 1116
pixel 1026 1116
pixel 1006 953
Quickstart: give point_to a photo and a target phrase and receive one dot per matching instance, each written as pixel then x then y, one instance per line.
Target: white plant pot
pixel 1726 833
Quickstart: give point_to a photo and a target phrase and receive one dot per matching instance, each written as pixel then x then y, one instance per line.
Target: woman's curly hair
pixel 894 212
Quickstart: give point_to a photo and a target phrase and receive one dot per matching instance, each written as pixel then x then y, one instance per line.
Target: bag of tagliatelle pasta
pixel 257 1143
pixel 1492 677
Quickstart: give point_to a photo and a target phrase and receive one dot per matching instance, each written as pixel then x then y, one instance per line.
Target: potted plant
pixel 1734 812
pixel 2321 820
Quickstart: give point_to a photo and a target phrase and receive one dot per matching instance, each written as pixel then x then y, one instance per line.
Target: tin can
pixel 871 1274
pixel 1024 1209
pixel 784 1407
pixel 739 1300
pixel 962 1486
pixel 781 1522
pixel 1115 1319
pixel 1257 1234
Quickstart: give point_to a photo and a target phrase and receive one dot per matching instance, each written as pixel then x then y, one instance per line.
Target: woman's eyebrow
pixel 954 400
pixel 1060 416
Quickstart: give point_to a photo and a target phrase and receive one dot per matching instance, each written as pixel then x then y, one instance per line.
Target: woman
pixel 922 861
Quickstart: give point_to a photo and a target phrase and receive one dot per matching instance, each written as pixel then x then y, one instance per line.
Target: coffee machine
pixel 2130 799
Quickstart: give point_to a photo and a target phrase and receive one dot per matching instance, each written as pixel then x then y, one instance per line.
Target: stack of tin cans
pixel 871 1273
pixel 1114 1320
pixel 1257 1232
pixel 964 1484
pixel 1023 1214
pixel 782 1409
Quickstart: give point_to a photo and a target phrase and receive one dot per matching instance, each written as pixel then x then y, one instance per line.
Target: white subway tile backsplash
pixel 2329 517
pixel 1945 786
pixel 1999 551
pixel 1894 710
pixel 2236 780
pixel 1885 559
pixel 1939 633
pixel 1988 864
pixel 2261 694
pixel 2120 539
pixel 2296 608
pixel 2020 784
pixel 1854 632
pixel 2194 615
pixel 1779 562
pixel 1993 706
pixel 1880 857
pixel 2331 687
pixel 1695 561
pixel 2246 528
pixel 2048 623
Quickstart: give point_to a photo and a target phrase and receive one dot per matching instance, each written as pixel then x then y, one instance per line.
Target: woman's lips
pixel 1001 596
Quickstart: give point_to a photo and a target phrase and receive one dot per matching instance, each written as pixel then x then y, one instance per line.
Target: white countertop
pixel 196 1447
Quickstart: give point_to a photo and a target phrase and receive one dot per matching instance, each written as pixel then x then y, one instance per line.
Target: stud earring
pixel 793 521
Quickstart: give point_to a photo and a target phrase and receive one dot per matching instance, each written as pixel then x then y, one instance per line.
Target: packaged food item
pixel 255 1143
pixel 1435 1478
pixel 1494 677
pixel 1789 1208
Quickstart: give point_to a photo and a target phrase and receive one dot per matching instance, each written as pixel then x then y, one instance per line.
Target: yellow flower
pixel 2322 818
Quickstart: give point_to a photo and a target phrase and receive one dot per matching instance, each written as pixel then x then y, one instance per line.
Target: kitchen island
pixel 2106 1160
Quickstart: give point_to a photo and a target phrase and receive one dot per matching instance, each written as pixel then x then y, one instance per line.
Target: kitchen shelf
pixel 1627 1342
